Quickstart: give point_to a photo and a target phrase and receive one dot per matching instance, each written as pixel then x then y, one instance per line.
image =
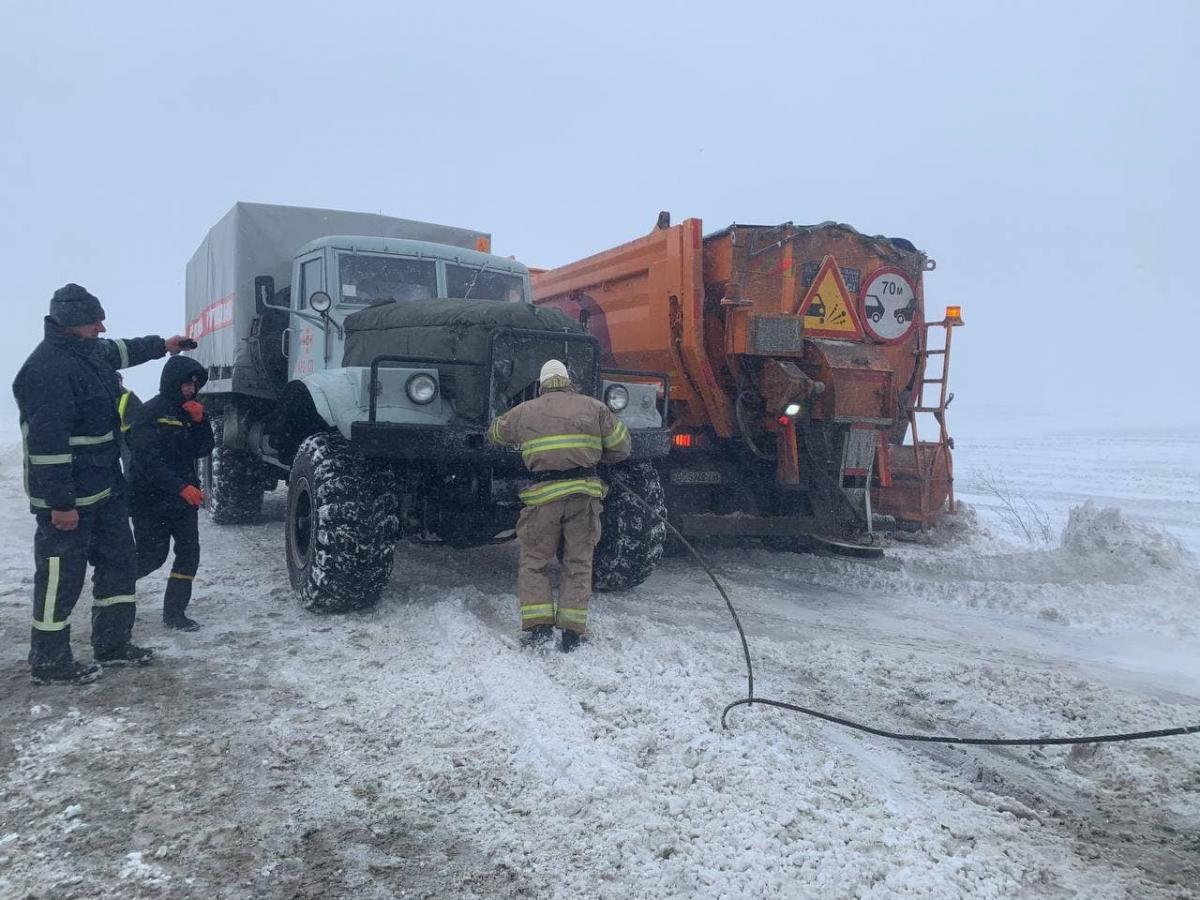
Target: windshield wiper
pixel 471 286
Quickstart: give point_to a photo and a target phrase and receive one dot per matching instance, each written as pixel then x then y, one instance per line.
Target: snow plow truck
pixel 799 359
pixel 361 358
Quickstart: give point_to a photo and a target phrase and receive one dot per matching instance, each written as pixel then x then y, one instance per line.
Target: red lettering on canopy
pixel 214 317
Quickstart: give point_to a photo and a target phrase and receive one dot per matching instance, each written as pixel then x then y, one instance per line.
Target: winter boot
pixel 129 655
pixel 537 636
pixel 571 640
pixel 71 673
pixel 173 617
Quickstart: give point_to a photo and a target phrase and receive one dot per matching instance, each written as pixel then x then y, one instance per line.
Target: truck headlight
pixel 616 397
pixel 421 389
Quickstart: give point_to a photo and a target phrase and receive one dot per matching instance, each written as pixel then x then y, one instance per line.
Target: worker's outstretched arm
pixel 122 353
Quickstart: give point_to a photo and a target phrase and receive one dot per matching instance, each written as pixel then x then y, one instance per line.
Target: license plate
pixel 694 476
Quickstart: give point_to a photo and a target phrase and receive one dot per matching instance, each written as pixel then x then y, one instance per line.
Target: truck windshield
pixel 489 284
pixel 367 279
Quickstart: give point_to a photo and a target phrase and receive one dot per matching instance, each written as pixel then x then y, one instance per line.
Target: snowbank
pixel 1092 530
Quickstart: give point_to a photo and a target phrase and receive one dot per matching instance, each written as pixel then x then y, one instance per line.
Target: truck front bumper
pixel 427 442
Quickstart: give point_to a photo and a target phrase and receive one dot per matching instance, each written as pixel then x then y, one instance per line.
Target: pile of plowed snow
pixel 1107 573
pixel 1093 531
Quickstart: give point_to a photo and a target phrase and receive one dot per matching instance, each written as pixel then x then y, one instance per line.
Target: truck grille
pixel 528 394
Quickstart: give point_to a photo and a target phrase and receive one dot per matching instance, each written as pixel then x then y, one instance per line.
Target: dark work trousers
pixel 61 557
pixel 154 529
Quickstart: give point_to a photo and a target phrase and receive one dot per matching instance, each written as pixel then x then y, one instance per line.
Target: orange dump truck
pixel 799 361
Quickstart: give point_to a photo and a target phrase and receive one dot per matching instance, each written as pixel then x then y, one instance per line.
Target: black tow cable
pixel 750 699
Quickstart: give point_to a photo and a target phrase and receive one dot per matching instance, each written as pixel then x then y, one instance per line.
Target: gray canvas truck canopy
pixel 262 239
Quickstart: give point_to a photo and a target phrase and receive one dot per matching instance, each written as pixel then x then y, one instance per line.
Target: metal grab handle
pixel 285 342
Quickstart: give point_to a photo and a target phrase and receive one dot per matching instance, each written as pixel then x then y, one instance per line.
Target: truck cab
pixel 358 272
pixel 351 290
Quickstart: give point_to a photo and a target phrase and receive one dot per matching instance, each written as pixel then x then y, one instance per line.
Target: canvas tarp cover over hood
pixel 461 329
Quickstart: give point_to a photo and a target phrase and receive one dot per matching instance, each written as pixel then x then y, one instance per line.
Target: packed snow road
pixel 418 751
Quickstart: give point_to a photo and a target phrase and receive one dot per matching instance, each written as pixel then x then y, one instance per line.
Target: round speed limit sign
pixel 889 304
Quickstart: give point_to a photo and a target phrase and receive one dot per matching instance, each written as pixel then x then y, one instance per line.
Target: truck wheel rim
pixel 301 524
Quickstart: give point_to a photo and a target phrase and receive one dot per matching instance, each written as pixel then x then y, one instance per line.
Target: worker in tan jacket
pixel 563 437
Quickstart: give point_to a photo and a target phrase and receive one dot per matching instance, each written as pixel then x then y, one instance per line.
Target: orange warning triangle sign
pixel 827 310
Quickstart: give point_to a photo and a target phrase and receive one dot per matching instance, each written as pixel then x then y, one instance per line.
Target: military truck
pixel 361 358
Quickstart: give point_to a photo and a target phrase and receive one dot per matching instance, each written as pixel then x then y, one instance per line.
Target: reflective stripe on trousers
pixel 50 598
pixel 573 520
pixel 536 614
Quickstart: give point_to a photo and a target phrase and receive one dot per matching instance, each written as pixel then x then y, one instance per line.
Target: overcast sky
pixel 1044 153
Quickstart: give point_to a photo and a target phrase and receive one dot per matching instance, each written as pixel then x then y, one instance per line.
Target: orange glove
pixel 192 495
pixel 194 409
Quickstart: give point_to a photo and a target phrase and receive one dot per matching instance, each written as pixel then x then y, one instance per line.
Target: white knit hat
pixel 553 369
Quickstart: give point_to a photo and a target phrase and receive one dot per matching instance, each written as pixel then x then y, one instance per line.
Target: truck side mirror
pixel 264 292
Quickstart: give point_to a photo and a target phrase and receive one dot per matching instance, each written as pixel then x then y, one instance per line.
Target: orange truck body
pixel 795 356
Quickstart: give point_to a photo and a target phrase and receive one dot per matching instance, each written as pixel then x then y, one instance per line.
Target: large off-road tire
pixel 232 481
pixel 631 538
pixel 341 525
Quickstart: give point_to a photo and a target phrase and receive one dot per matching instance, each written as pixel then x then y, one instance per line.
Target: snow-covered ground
pixel 417 751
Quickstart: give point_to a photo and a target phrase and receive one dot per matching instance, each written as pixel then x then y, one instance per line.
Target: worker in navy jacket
pixel 170 432
pixel 67 394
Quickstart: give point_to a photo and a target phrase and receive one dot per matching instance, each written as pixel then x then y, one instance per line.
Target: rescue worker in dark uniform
pixel 67 396
pixel 169 434
pixel 563 437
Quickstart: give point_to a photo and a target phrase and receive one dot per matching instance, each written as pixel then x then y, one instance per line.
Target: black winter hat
pixel 73 305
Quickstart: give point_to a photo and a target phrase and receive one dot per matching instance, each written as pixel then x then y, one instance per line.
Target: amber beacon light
pixel 954 315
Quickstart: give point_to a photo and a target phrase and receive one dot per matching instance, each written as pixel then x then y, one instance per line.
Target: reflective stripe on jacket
pixel 67 395
pixel 559 431
pixel 127 407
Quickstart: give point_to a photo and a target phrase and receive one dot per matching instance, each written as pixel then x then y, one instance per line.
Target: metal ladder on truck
pixel 926 464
